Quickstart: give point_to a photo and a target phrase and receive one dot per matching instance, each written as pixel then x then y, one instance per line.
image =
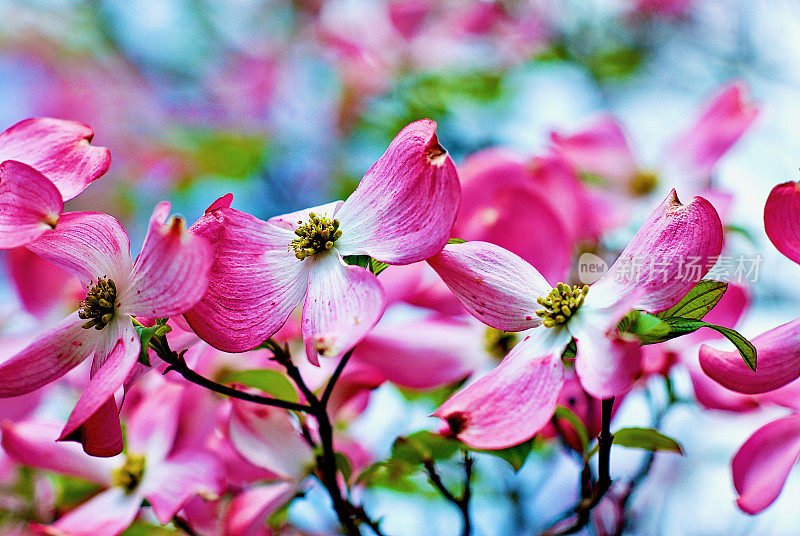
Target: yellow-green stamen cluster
pixel 562 302
pixel 130 474
pixel 99 305
pixel 498 343
pixel 643 182
pixel 315 236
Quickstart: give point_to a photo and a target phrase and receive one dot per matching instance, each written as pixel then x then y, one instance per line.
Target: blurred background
pixel 287 104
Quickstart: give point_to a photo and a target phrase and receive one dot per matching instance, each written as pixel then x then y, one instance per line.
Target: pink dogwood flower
pixel 44 163
pixel 169 276
pixel 781 213
pixel 402 212
pixel 517 398
pixel 153 468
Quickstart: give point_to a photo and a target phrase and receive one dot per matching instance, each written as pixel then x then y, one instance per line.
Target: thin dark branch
pixel 326 395
pixel 461 502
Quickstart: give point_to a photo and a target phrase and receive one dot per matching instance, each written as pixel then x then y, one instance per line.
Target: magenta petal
pixel 40 285
pixel 778 361
pixel 58 149
pixel 255 283
pixel 171 273
pixel 106 514
pixel 763 463
pixel 29 204
pixel 88 244
pixel 101 433
pixel 671 252
pixel 782 219
pixel 405 206
pixel 606 366
pixel 47 358
pixel 152 426
pixel 250 508
pixel 511 403
pixel 342 304
pixel 496 286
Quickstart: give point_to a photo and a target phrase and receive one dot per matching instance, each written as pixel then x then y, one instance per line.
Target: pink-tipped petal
pixel 607 366
pixel 405 206
pixel 40 285
pixel 600 149
pixel 782 219
pixel 671 252
pixel 250 508
pixel 34 443
pixel 58 149
pixel 100 433
pixel 342 304
pixel 29 204
pixel 496 286
pixel 293 220
pixel 763 463
pixel 511 403
pixel 47 358
pixel 171 273
pixel 106 514
pixel 255 283
pixel 88 244
pixel 778 361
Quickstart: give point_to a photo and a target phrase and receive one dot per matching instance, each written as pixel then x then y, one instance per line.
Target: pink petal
pixel 171 273
pixel 255 281
pixel 47 358
pixel 106 514
pixel 511 403
pixel 250 508
pixel 405 206
pixel 293 220
pixel 153 424
pixel 606 366
pixel 693 155
pixel 342 304
pixel 58 149
pixel 761 466
pixel 496 286
pixel 34 443
pixel 670 253
pixel 40 285
pixel 781 215
pixel 600 149
pixel 778 361
pixel 29 204
pixel 88 244
pixel 100 433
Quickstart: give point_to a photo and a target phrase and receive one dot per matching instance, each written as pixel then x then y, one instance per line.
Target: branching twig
pixel 461 502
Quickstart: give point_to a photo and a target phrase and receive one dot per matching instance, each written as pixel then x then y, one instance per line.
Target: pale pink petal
pixel 600 149
pixel 606 365
pixel 29 204
pixel 342 304
pixel 293 220
pixel 171 273
pixel 496 286
pixel 405 206
pixel 671 252
pixel 782 219
pixel 268 439
pixel 153 424
pixel 40 285
pixel 170 483
pixel 693 155
pixel 511 403
pixel 47 358
pixel 255 283
pixel 59 149
pixel 761 466
pixel 106 514
pixel 34 443
pixel 250 508
pixel 88 244
pixel 778 361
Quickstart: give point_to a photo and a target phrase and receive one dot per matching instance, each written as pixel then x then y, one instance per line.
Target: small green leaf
pixel 146 334
pixel 357 260
pixel 646 327
pixel 570 351
pixel 344 466
pixel 389 474
pixel 376 267
pixel 423 446
pixel 515 456
pixel 698 301
pixel 647 439
pixel 267 380
pixel 456 241
pixel 577 425
pixel 681 326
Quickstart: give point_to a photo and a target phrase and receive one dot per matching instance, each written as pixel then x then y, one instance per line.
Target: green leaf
pixel 570 351
pixel 146 334
pixel 647 439
pixel 357 260
pixel 344 466
pixel 646 327
pixel 456 241
pixel 698 301
pixel 391 475
pixel 376 267
pixel 516 455
pixel 681 326
pixel 267 380
pixel 423 446
pixel 577 425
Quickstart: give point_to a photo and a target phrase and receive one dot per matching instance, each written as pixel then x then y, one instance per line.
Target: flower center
pixel 315 236
pixel 561 304
pixel 130 474
pixel 498 343
pixel 99 305
pixel 643 182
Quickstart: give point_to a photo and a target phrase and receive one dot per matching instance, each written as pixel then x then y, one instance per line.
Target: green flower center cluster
pixel 561 304
pixel 99 305
pixel 498 343
pixel 315 236
pixel 643 183
pixel 130 474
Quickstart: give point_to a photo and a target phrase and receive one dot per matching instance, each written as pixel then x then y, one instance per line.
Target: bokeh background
pixel 287 104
